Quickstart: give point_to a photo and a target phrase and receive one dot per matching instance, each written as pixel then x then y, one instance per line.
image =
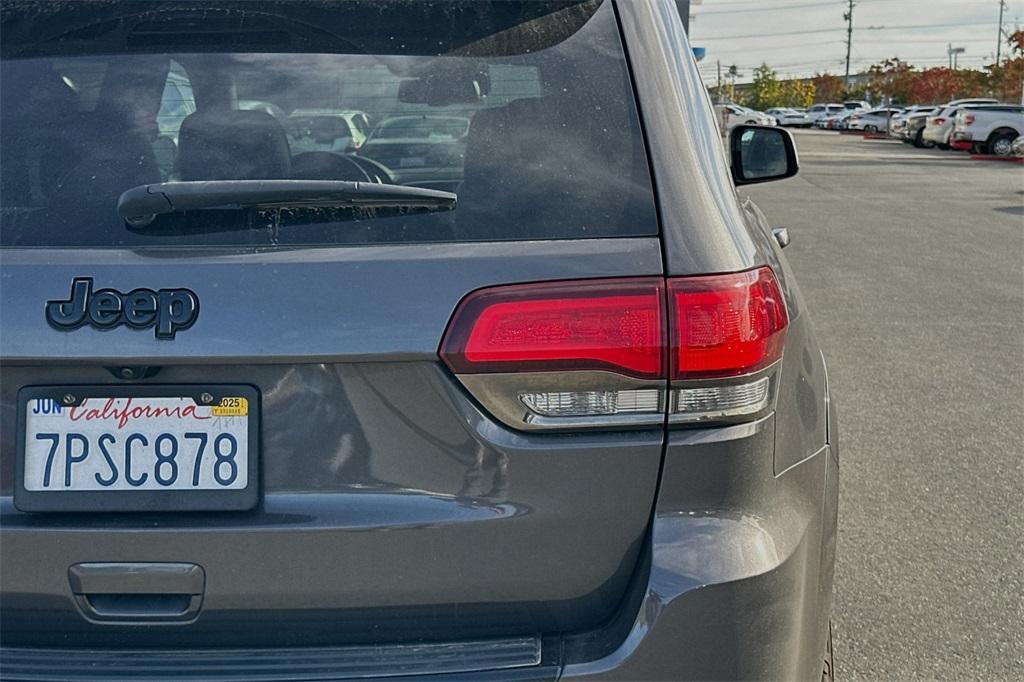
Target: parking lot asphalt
pixel 912 263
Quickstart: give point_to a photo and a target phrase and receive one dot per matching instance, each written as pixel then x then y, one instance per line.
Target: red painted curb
pixel 991 157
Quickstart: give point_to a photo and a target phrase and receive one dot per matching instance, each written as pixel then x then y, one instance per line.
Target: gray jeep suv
pixel 530 398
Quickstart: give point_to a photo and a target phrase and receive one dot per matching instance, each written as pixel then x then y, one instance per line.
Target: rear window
pixel 524 109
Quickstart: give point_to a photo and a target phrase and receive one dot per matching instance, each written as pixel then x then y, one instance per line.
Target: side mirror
pixel 762 154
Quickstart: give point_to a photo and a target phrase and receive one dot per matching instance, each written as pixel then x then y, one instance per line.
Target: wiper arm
pixel 140 205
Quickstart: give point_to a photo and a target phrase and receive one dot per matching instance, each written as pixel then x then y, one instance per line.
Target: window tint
pixel 524 109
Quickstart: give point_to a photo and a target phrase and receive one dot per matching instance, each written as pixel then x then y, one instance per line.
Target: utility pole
pixel 848 16
pixel 954 52
pixel 999 40
pixel 718 92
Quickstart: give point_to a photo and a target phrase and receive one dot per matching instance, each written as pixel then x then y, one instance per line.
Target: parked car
pixel 913 128
pixel 835 121
pixel 789 117
pixel 857 105
pixel 330 130
pixel 279 420
pixel 819 111
pixel 871 121
pixel 732 115
pixel 898 121
pixel 939 126
pixel 1017 148
pixel 988 128
pixel 425 150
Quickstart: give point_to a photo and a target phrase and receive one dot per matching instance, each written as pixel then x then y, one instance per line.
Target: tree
pixel 796 93
pixel 892 79
pixel 942 84
pixel 765 91
pixel 827 87
pixel 1005 79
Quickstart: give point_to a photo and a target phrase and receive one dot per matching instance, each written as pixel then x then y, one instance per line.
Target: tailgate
pixel 382 500
pixel 391 506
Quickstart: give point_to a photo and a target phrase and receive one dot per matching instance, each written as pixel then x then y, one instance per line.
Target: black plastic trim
pixel 497 659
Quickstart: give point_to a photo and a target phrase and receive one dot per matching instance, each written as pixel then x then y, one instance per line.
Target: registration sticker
pixel 231 407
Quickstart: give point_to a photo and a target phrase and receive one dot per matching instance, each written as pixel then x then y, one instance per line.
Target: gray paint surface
pixel 303 304
pixel 415 515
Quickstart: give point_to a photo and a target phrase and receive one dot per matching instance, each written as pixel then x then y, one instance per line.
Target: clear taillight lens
pixel 603 352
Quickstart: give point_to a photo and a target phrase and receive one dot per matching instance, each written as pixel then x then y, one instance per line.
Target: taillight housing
pixel 728 332
pixel 726 325
pixel 968 119
pixel 617 353
pixel 600 325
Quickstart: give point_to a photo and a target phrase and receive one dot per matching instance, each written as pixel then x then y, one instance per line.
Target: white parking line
pixel 862 155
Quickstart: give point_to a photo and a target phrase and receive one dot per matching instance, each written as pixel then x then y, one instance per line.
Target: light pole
pixel 953 52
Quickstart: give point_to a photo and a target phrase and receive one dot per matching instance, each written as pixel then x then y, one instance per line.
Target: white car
pixel 834 121
pixel 789 117
pixel 871 121
pixel 731 115
pixel 938 128
pixel 857 105
pixel 1017 148
pixel 989 128
pixel 898 122
pixel 820 111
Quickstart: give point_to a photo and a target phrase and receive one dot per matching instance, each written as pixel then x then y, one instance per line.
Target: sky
pixel 801 37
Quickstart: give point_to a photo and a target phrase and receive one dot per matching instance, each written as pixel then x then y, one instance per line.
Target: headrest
pixel 232 145
pixel 531 149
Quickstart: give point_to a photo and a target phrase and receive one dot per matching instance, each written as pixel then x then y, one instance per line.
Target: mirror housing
pixel 762 154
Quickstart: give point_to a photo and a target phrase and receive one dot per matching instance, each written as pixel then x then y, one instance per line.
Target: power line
pixel 700 9
pixel 778 8
pixel 916 27
pixel 922 40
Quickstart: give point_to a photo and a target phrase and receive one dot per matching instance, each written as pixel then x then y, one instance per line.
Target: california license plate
pixel 141 448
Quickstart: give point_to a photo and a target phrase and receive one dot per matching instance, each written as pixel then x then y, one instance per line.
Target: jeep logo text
pixel 168 310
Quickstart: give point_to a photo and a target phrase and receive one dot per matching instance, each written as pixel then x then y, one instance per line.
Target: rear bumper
pixel 734 594
pixel 729 594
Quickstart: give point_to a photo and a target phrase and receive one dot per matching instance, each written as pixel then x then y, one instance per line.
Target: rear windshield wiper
pixel 139 206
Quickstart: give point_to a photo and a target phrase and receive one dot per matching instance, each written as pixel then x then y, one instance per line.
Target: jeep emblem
pixel 167 310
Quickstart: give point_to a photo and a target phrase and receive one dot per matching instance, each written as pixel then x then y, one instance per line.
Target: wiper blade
pixel 139 206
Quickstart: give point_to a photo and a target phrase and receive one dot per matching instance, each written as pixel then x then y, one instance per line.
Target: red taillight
pixel 969 119
pixel 601 352
pixel 938 121
pixel 724 325
pixel 614 325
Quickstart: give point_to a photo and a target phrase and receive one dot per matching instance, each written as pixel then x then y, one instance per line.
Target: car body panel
pixel 670 553
pixel 987 123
